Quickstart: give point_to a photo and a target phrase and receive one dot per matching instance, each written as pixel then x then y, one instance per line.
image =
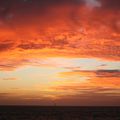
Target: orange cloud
pixel 104 82
pixel 68 32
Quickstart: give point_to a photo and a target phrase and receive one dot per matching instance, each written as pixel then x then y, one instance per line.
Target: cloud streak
pixel 11 79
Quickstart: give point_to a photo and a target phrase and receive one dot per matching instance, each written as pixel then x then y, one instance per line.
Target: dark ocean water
pixel 58 113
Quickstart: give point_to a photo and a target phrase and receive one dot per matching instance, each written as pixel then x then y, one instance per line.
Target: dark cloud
pixel 94 73
pixel 108 73
pixel 4 95
pixel 5 46
pixel 105 3
pixel 111 4
pixel 6 6
pixel 32 46
pixel 6 67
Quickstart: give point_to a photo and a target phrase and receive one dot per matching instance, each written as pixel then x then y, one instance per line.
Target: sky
pixel 63 52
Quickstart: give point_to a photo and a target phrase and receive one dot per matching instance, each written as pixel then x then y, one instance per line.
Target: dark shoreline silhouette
pixel 59 113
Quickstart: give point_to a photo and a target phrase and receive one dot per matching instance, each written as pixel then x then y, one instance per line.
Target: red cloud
pixel 64 30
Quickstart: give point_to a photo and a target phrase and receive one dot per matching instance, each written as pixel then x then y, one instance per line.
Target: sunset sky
pixel 63 52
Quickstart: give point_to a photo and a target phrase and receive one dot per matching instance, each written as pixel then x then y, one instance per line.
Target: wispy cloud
pixel 93 3
pixel 11 79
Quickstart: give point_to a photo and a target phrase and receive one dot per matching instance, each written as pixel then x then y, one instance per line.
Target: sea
pixel 59 113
